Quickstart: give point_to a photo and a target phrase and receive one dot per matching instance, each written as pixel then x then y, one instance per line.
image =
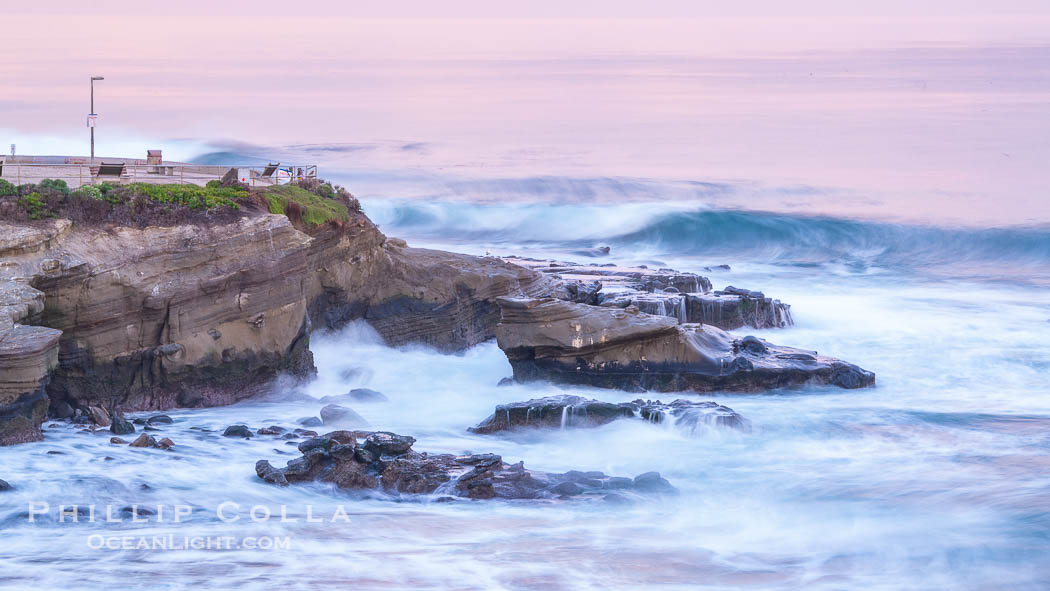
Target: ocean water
pixel 895 196
pixel 936 478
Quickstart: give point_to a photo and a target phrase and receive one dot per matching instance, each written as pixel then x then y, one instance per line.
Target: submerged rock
pixel 121 426
pixel 692 416
pixel 237 431
pixel 333 414
pixel 4 486
pixel 144 440
pixel 100 416
pixel 559 341
pixel 554 412
pixel 386 462
pixel 566 411
pixel 356 395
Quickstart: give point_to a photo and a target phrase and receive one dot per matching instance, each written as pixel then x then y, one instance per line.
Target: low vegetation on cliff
pixel 308 204
pixel 315 207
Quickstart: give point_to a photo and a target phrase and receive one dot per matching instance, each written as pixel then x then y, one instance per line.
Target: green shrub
pixel 316 209
pixel 57 185
pixel 35 206
pixel 191 196
pixel 105 187
pixel 7 189
pixel 89 191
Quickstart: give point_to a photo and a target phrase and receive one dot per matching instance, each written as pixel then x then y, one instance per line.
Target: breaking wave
pixel 685 229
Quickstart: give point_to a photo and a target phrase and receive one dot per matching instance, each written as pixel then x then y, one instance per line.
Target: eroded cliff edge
pixel 202 315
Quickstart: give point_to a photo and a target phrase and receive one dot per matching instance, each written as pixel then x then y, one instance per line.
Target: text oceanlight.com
pixel 177 542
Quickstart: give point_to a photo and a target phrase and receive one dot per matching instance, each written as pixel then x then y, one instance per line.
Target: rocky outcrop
pixel 28 353
pixel 686 297
pixel 557 412
pixel 567 411
pixel 559 341
pixel 205 315
pixel 415 295
pixel 692 417
pixel 734 308
pixel 385 462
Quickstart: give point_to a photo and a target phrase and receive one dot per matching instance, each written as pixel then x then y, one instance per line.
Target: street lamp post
pixel 91 121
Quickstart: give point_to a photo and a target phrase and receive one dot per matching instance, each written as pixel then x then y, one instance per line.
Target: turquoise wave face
pixel 679 230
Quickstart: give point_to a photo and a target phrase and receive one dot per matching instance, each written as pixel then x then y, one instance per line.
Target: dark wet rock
pixel 692 416
pixel 333 414
pixel 237 431
pixel 55 452
pixel 144 440
pixel 271 430
pixel 383 443
pixel 367 395
pixel 165 443
pixel 354 396
pixel 137 511
pixel 386 462
pixel 159 420
pixel 343 451
pixel 653 482
pixel 553 412
pixel 505 382
pixel 616 499
pixel 63 410
pixel 310 422
pixel 99 416
pixel 730 311
pixel 121 426
pixel 567 411
pixel 563 342
pixel 583 292
pixel 567 489
pixel 117 441
pixel 4 486
pixel 322 443
pixel 267 472
pixel 343 436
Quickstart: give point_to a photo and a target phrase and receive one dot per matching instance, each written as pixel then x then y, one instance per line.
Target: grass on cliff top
pixel 211 196
pixel 136 204
pixel 315 209
pixel 309 204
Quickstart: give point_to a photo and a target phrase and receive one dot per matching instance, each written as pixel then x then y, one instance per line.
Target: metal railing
pixel 79 174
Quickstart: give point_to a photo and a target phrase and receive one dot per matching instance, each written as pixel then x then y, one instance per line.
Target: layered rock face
pixel 687 297
pixel 559 341
pixel 385 462
pixel 178 316
pixel 567 411
pixel 196 315
pixel 415 295
pixel 27 353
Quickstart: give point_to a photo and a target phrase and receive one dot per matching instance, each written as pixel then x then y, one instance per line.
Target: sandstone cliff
pixel 559 341
pixel 202 315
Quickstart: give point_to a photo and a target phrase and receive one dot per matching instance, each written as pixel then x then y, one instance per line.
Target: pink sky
pixel 942 96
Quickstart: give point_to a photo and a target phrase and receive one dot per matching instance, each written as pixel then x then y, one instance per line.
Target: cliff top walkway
pixel 78 171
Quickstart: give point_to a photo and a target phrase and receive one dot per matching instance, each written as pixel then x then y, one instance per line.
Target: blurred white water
pixel 935 478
